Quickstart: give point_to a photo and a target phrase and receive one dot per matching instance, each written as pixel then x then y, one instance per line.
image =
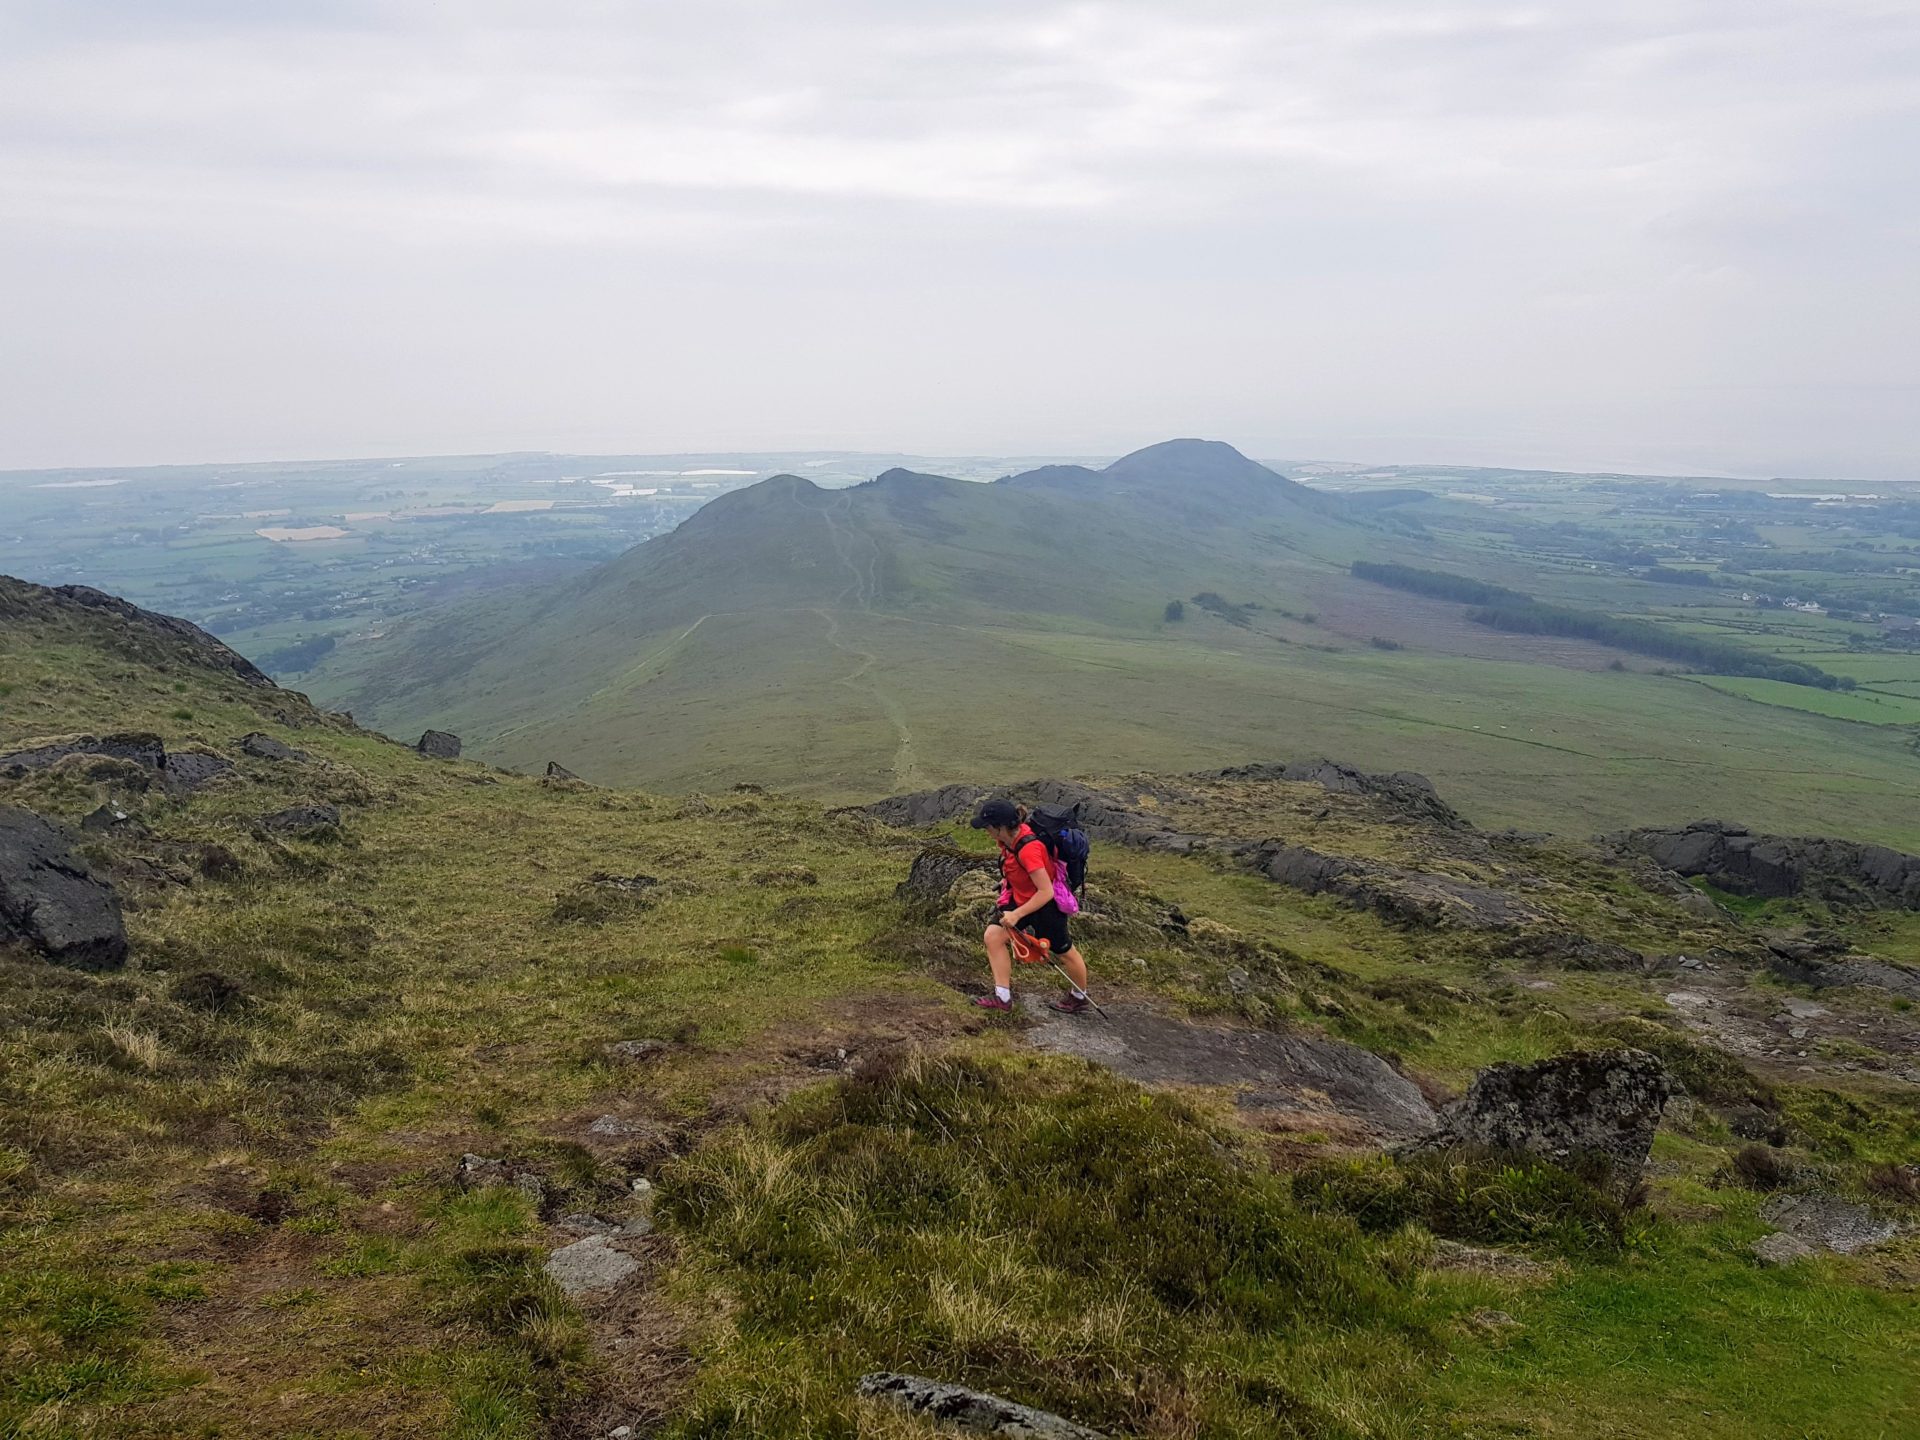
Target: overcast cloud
pixel 1654 236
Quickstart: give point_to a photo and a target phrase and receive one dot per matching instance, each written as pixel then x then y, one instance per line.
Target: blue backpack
pixel 1059 830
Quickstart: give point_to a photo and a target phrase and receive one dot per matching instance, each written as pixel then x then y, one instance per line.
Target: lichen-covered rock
pixel 589 1265
pixel 1589 1110
pixel 1780 1248
pixel 439 745
pixel 1828 1222
pixel 51 902
pixel 970 1409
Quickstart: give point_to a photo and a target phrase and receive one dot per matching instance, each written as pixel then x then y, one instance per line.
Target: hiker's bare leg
pixel 1075 964
pixel 1000 959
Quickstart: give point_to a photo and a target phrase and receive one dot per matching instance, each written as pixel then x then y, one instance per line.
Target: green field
pixel 1867 707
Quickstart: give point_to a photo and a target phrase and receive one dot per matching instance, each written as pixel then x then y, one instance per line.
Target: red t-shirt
pixel 1028 854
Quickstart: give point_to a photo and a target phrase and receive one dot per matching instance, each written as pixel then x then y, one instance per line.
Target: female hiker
pixel 1027 904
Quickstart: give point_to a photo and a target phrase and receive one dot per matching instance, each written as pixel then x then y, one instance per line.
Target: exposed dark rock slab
pixel 111 820
pixel 303 820
pixel 1571 950
pixel 136 747
pixel 557 771
pixel 926 808
pixel 51 902
pixel 439 745
pixel 181 772
pixel 265 747
pixel 970 1409
pixel 188 770
pixel 1591 1110
pixel 1774 866
pixel 1292 1070
pixel 1825 961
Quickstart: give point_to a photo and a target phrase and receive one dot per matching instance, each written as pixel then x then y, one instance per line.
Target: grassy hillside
pixel 848 643
pixel 231 1194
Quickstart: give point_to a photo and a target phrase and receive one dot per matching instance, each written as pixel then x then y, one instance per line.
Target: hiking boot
pixel 992 1002
pixel 1070 1004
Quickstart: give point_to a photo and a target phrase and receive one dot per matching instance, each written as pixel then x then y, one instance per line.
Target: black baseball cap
pixel 1001 814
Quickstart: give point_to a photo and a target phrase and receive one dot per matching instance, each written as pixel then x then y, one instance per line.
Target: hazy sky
pixel 1585 233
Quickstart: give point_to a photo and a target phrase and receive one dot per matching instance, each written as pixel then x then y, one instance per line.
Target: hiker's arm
pixel 1042 896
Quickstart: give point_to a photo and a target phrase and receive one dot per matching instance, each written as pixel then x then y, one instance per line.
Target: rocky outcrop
pixel 140 756
pixel 1106 815
pixel 1404 790
pixel 50 902
pixel 136 747
pixel 1594 1111
pixel 969 1409
pixel 1734 859
pixel 142 635
pixel 555 770
pixel 924 809
pixel 439 745
pixel 1570 950
pixel 1825 961
pixel 1405 897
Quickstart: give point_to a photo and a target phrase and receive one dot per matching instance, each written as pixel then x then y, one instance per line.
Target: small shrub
pixel 1760 1168
pixel 1176 611
pixel 1380 642
pixel 1895 1182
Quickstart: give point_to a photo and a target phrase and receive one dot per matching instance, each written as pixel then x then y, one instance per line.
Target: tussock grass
pixel 1045 1231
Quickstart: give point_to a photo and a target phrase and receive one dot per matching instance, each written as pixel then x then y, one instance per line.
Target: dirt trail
pixel 906 766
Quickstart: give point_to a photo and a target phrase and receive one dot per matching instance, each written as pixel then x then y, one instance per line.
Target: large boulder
pixel 439 745
pixel 51 902
pixel 935 869
pixel 1594 1111
pixel 969 1409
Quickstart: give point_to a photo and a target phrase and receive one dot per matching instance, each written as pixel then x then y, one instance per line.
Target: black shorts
pixel 1049 923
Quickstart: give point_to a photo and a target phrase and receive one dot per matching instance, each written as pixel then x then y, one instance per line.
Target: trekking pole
pixel 1071 986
